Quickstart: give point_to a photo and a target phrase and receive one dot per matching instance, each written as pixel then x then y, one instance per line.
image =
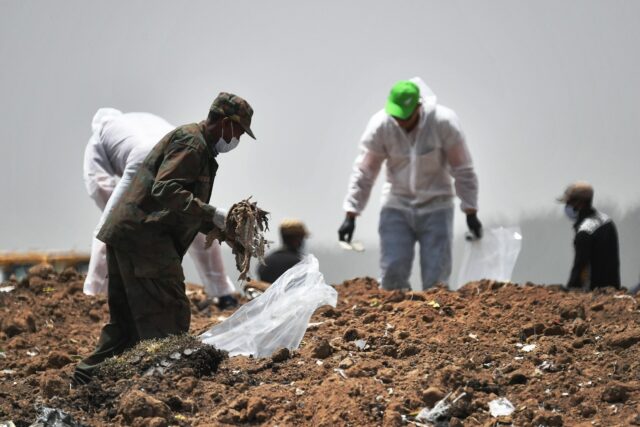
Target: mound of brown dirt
pixel 377 359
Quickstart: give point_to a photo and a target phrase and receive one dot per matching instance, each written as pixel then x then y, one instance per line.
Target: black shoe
pixel 226 302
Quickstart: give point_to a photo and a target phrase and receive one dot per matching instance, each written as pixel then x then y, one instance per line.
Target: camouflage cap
pixel 235 108
pixel 577 191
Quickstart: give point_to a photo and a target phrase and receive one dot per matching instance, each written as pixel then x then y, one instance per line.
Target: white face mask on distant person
pixel 571 212
pixel 222 146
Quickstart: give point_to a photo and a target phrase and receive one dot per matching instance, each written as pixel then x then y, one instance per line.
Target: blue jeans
pixel 399 231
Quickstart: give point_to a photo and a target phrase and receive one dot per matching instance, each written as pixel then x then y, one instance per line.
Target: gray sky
pixel 546 91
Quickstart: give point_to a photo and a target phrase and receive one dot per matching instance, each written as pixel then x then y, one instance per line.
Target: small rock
pixel 396 296
pixel 57 360
pixel 152 422
pixel 415 296
pixel 531 329
pixel 462 406
pixel 389 350
pixel 331 313
pixel 588 411
pixel 410 350
pixel 176 403
pixel 23 322
pixel 228 416
pixel 386 375
pixel 554 330
pixel 570 313
pixel 346 363
pixel 548 419
pixel 341 321
pixel 52 385
pixel 351 334
pixel 137 404
pixel 95 314
pixel 363 369
pixel 577 344
pixel 321 350
pixel 281 355
pixel 402 335
pixel 336 343
pixel 392 418
pixel 624 339
pixel 369 318
pixel 580 327
pixel 255 408
pixel 449 311
pixel 518 377
pixel 615 393
pixel 576 399
pixel 187 384
pixel 239 404
pixel 432 395
pixel 427 318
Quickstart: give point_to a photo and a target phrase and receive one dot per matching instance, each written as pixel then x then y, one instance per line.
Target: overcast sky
pixel 547 93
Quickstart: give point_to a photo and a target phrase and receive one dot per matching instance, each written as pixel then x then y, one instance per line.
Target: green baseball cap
pixel 235 108
pixel 403 99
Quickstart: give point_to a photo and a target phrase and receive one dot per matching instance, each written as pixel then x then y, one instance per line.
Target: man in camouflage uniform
pixel 150 229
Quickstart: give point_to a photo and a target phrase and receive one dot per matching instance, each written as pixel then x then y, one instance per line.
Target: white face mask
pixel 571 212
pixel 222 146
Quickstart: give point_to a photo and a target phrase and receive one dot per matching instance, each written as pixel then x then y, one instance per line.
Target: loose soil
pixel 377 359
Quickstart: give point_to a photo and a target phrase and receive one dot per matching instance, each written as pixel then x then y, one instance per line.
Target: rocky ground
pixel 379 358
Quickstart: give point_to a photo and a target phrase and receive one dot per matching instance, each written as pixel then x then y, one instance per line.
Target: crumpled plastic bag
pixel 440 414
pixel 52 417
pixel 501 407
pixel 492 257
pixel 279 317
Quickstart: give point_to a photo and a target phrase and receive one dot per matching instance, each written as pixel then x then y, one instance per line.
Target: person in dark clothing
pixel 294 234
pixel 597 260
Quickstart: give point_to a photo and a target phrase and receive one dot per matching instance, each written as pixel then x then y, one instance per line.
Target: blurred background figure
pixel 293 234
pixel 425 152
pixel 118 146
pixel 597 261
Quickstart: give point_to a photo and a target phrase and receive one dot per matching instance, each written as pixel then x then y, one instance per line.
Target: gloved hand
pixel 474 224
pixel 345 232
pixel 219 217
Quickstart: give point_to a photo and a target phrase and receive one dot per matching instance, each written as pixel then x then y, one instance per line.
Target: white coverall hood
pixel 101 117
pixel 427 96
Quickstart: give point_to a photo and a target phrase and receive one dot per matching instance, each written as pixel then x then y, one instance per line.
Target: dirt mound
pixel 172 354
pixel 377 359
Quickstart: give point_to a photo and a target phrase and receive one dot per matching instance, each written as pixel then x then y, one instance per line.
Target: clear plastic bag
pixel 279 317
pixel 492 257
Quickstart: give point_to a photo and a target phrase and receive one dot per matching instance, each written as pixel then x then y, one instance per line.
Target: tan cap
pixel 577 191
pixel 293 227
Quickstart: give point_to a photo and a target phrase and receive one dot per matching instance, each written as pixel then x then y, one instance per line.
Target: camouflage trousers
pixel 139 308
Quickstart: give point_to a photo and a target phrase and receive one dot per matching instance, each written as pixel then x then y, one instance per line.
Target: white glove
pixel 219 218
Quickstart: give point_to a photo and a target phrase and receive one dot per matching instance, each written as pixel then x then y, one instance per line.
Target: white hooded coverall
pixel 118 146
pixel 417 196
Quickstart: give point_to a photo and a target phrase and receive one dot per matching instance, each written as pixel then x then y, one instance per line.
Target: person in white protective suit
pixel 118 146
pixel 424 149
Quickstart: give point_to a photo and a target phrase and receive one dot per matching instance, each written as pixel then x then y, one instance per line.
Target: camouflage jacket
pixel 165 206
